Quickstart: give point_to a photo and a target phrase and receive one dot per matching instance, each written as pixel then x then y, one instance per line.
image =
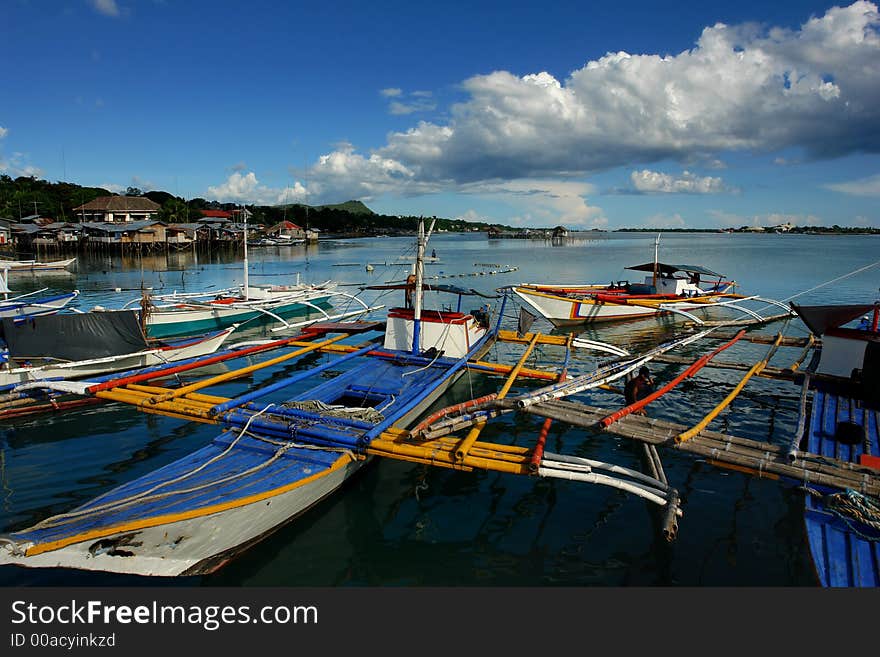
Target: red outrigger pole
pixel 697 365
pixel 538 451
pixel 157 374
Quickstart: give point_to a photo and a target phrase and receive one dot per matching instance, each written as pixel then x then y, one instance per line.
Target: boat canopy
pixel 821 318
pixel 80 336
pixel 668 269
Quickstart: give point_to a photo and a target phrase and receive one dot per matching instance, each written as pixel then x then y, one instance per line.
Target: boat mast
pixel 420 275
pixel 656 247
pixel 244 214
pixel 4 284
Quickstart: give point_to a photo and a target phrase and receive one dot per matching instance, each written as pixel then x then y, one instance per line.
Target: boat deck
pixel 225 473
pixel 258 460
pixel 845 552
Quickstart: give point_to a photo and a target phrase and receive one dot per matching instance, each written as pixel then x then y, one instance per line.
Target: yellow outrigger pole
pixel 755 369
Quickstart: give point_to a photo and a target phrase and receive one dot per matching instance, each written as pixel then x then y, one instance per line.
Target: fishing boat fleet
pixel 286 442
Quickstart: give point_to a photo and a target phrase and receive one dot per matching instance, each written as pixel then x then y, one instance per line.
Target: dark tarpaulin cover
pixel 821 318
pixel 664 268
pixel 75 336
pixel 427 287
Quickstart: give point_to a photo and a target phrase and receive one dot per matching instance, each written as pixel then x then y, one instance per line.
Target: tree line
pixel 26 196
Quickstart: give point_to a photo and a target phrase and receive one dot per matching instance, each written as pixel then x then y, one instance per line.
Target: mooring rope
pixel 852 506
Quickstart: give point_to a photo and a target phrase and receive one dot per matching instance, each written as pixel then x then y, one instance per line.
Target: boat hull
pixel 45 306
pixel 25 266
pixel 191 321
pixel 567 311
pixel 203 531
pixel 842 552
pixel 96 366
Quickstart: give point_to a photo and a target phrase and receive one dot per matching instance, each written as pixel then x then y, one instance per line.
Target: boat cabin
pixel 452 333
pixel 678 280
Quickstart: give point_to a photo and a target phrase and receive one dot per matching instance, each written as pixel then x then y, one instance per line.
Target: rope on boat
pixel 834 280
pixel 17 547
pixel 366 414
pixel 146 495
pixel 802 420
pixel 852 507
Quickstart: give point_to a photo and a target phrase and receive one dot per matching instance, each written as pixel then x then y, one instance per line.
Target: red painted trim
pixel 853 334
pixel 435 316
pixel 159 374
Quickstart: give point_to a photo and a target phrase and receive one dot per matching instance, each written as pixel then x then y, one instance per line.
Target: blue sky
pixel 697 114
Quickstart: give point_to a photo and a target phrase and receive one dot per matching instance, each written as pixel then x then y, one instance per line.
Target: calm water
pixel 398 524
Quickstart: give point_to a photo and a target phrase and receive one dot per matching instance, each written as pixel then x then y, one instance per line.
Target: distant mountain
pixel 352 207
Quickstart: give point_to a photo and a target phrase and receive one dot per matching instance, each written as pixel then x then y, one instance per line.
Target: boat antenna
pixel 245 239
pixel 656 247
pixel 420 275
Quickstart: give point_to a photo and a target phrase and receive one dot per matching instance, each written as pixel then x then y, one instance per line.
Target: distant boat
pixel 667 289
pixel 35 266
pixel 192 313
pixel 29 305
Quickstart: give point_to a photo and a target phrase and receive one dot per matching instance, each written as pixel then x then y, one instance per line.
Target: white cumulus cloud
pixel 665 221
pixel 813 90
pixel 739 87
pixel 17 165
pixel 653 182
pixel 246 188
pixel 869 186
pixel 106 7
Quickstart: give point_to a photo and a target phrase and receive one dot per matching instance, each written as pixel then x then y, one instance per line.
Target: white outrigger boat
pixel 675 289
pixel 192 313
pixel 83 345
pixel 198 312
pixel 29 305
pixel 35 266
pixel 274 460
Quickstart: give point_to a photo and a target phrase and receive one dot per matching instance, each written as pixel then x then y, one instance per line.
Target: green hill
pixel 352 207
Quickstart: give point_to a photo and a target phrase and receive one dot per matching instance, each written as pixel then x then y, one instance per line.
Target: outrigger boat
pixel 193 313
pixel 843 527
pixel 281 453
pixel 675 289
pixel 70 346
pixel 35 266
pixel 28 305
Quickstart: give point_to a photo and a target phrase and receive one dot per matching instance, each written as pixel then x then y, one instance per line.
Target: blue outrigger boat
pixel 843 527
pixel 279 455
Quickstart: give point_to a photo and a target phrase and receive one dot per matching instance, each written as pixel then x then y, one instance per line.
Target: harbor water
pixel 399 524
